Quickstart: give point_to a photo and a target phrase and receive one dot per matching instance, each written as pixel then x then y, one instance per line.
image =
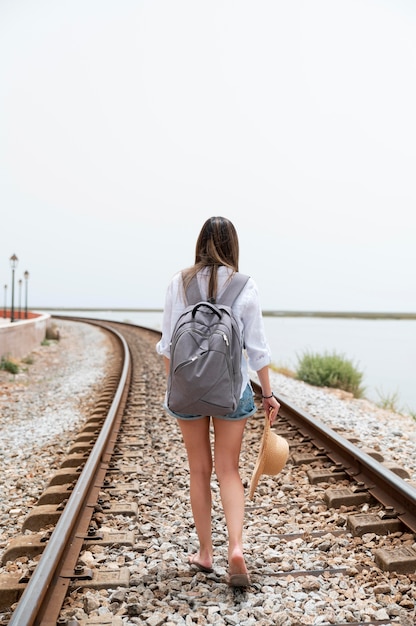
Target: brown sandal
pixel 238 580
pixel 199 567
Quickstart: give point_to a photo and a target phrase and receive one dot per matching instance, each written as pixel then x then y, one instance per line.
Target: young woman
pixel 216 260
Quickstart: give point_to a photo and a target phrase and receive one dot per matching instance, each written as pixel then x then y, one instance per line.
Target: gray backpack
pixel 205 358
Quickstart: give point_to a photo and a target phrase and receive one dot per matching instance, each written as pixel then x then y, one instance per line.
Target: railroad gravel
pixel 58 391
pixel 392 434
pixel 41 408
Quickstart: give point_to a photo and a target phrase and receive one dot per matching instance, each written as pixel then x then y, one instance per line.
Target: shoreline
pixel 372 315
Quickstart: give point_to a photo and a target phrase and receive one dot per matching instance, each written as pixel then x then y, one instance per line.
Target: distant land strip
pixel 347 314
pixel 371 315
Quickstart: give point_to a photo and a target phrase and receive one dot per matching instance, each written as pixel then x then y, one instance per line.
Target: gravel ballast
pixel 57 392
pixel 41 409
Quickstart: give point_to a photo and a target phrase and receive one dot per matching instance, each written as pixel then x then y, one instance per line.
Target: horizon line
pixel 266 313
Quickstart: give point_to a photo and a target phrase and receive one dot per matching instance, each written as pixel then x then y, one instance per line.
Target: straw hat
pixel 274 452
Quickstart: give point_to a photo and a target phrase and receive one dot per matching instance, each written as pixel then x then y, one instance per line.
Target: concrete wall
pixel 19 338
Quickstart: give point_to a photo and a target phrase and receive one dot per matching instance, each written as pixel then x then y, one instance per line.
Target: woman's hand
pixel 271 408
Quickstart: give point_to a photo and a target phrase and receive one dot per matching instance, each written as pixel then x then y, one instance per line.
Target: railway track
pixel 108 540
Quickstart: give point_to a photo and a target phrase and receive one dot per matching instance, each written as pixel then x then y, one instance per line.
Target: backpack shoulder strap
pixel 234 289
pixel 193 293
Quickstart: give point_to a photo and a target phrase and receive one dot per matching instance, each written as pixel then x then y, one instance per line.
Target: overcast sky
pixel 125 124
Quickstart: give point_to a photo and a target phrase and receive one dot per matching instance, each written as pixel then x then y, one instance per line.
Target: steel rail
pixel 384 485
pixel 34 594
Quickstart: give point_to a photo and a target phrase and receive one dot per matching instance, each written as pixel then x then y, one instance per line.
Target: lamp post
pixel 13 264
pixel 26 275
pixel 5 302
pixel 20 298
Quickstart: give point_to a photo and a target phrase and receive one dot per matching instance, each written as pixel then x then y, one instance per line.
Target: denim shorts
pixel 245 408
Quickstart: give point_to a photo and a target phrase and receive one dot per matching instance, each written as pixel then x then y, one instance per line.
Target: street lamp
pixel 5 302
pixel 13 264
pixel 26 275
pixel 20 298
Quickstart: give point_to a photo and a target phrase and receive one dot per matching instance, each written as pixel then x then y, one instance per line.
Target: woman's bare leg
pixel 196 437
pixel 228 439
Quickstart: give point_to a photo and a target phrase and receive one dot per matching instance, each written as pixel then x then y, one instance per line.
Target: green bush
pixel 330 370
pixel 9 365
pixel 390 402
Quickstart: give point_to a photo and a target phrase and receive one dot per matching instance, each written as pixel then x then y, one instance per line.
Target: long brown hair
pixel 217 244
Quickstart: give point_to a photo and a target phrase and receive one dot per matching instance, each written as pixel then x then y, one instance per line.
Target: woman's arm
pixel 270 404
